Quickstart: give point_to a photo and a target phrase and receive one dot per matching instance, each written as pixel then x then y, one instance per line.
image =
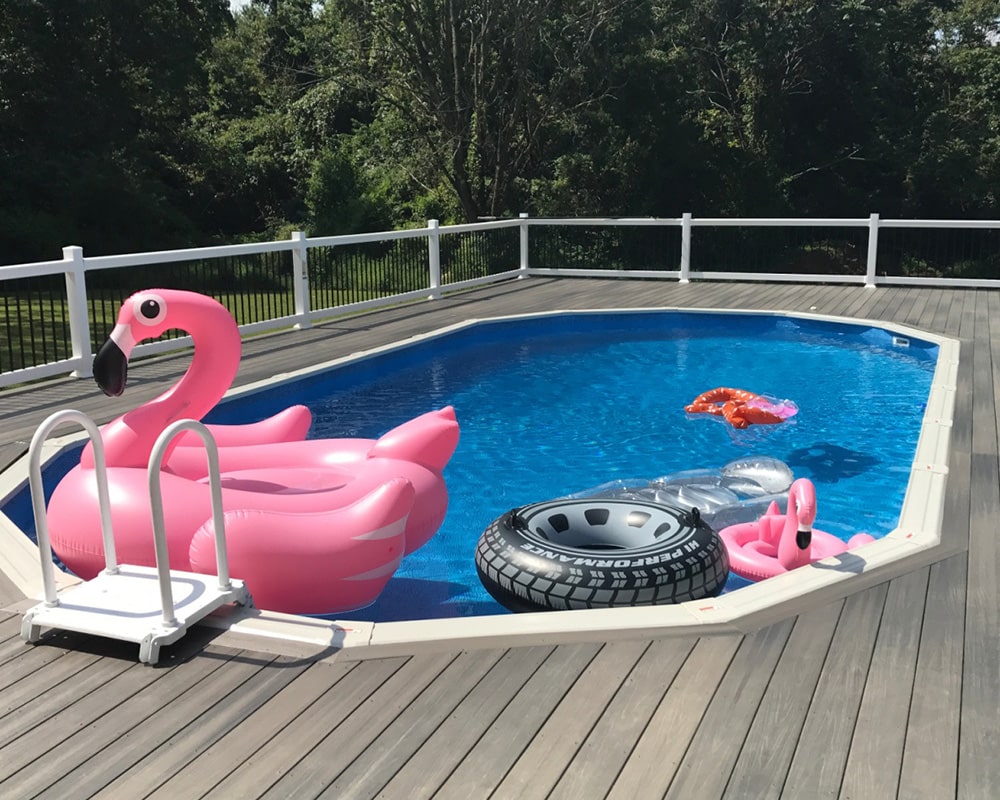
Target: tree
pixel 478 84
pixel 956 170
pixel 821 103
pixel 91 98
pixel 270 137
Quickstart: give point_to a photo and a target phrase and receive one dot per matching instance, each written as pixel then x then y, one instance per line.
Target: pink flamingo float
pixel 312 525
pixel 777 542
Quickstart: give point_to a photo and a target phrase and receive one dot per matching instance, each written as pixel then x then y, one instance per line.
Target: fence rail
pixel 56 313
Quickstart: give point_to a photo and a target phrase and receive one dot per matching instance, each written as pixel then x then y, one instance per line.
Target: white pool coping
pixel 915 542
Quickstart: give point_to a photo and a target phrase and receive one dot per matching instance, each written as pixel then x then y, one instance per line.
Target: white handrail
pixel 156 509
pixel 49 424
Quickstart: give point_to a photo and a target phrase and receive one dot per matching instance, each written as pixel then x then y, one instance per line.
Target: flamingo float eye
pixel 149 309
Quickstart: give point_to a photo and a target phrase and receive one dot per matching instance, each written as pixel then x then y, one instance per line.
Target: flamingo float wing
pixel 289 425
pixel 289 564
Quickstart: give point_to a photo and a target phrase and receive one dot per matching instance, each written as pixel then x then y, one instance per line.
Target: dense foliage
pixel 139 124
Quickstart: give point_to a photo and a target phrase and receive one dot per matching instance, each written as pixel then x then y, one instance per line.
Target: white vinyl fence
pixel 56 312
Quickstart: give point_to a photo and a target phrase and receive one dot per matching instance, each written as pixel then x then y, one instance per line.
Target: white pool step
pixel 150 606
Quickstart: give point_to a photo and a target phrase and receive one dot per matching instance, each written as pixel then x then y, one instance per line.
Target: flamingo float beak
pixel 111 361
pixel 111 369
pixel 803 539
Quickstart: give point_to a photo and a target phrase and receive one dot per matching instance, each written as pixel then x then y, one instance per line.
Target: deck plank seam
pixel 375 739
pixel 235 711
pixel 249 775
pixel 864 689
pixel 659 701
pixel 83 738
pixel 473 744
pixel 597 719
pixel 56 738
pixel 293 775
pixel 812 694
pixel 76 779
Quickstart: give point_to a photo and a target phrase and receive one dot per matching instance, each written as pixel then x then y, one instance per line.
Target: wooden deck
pixel 891 692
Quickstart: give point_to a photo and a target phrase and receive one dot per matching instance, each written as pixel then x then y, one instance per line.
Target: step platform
pixel 127 605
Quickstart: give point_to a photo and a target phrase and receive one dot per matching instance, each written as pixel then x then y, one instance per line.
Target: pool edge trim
pixel 915 542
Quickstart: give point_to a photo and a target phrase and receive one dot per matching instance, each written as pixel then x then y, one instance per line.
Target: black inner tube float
pixel 599 553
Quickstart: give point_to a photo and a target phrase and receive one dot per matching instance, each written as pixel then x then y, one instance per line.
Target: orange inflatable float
pixel 741 408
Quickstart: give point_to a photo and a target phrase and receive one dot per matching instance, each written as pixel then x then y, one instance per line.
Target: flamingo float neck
pixel 795 542
pixel 147 315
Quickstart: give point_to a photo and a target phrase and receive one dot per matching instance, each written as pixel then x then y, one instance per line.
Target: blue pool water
pixel 554 405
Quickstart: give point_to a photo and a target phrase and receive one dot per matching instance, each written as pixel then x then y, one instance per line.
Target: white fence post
pixel 685 247
pixel 872 251
pixel 523 266
pixel 434 257
pixel 76 303
pixel 300 279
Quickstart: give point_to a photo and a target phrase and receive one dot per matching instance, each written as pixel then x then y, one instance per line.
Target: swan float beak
pixel 111 361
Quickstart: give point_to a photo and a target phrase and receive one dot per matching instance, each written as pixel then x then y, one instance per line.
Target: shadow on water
pixel 418 598
pixel 829 463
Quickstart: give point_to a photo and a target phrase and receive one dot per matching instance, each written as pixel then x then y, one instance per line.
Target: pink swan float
pixel 778 542
pixel 313 526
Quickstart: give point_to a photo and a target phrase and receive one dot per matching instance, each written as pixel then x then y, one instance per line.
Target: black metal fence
pixel 478 254
pixel 355 273
pixel 258 283
pixel 799 250
pixel 255 287
pixel 600 247
pixel 969 253
pixel 36 322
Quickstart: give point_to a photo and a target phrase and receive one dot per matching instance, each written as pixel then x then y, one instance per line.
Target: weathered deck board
pixel 880 730
pixel 653 762
pixel 429 690
pixel 442 724
pixel 817 766
pixel 930 757
pixel 489 759
pixel 891 692
pixel 978 766
pixel 539 768
pixel 770 744
pixel 601 757
pixel 33 669
pixel 716 745
pixel 381 686
pixel 60 778
pixel 97 702
pixel 217 761
pixel 11 645
pixel 214 706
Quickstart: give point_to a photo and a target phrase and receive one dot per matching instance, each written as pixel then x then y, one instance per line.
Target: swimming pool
pixel 554 404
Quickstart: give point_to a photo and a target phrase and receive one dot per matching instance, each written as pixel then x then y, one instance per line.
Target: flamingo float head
pixel 147 315
pixel 151 312
pixel 796 538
